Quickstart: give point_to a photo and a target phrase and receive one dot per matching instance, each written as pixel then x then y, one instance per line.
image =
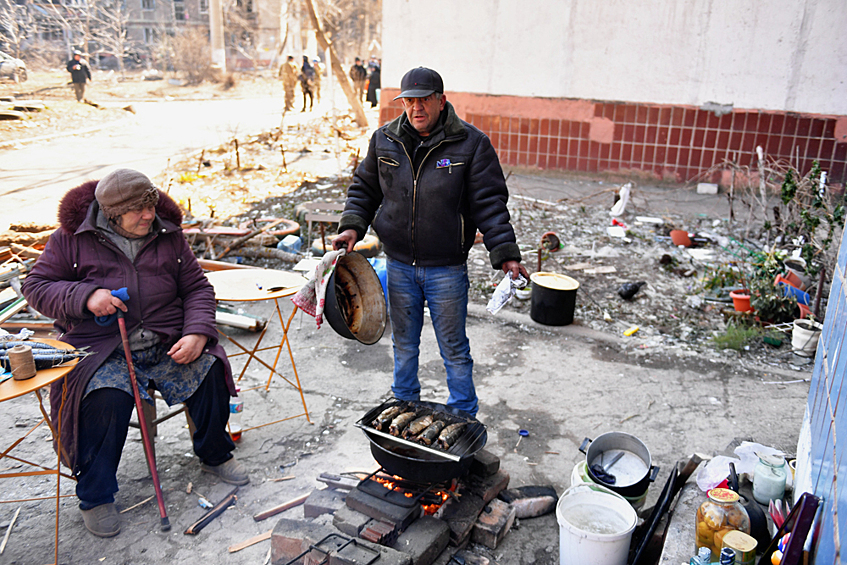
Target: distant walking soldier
pixel 288 73
pixel 358 75
pixel 80 73
pixel 307 82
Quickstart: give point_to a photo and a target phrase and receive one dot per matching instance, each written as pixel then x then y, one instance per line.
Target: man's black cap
pixel 420 82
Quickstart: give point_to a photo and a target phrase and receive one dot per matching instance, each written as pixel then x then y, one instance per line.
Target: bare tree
pixel 15 26
pixel 107 25
pixel 190 54
pixel 337 70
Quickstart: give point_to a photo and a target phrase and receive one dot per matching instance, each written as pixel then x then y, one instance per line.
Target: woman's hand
pixel 188 348
pixel 102 303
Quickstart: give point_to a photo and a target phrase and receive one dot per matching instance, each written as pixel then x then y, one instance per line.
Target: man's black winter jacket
pixel 429 216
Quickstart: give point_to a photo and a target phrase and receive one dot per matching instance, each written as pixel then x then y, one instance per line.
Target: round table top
pixel 13 389
pixel 246 285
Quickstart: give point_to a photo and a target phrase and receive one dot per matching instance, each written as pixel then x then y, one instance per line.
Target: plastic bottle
pixel 236 407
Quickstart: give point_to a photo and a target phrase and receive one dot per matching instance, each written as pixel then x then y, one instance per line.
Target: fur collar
pixel 73 208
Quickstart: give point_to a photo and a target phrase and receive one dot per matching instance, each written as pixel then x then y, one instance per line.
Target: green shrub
pixel 736 336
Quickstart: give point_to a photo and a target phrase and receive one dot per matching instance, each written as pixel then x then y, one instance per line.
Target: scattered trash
pixel 620 205
pixel 504 292
pixel 630 331
pixel 616 231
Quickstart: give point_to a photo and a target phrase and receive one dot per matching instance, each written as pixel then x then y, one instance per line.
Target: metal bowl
pixel 355 304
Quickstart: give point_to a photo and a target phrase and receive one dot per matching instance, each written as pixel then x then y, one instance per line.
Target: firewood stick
pixel 148 499
pixel 286 478
pixel 216 511
pixel 252 541
pixel 240 241
pixel 9 530
pixel 282 507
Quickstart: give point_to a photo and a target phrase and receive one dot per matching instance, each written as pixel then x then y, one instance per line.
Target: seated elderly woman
pixel 123 232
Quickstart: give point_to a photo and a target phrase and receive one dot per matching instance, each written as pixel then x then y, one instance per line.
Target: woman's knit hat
pixel 123 190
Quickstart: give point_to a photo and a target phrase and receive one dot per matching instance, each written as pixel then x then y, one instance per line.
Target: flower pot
pixel 797 267
pixel 789 279
pixel 788 290
pixel 680 237
pixel 804 337
pixel 741 300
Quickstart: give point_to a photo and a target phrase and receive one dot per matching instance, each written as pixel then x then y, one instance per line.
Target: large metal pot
pixel 355 303
pixel 419 463
pixel 624 456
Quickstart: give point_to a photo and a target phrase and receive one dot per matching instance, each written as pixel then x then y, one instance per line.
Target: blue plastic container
pixel 290 243
pixel 381 269
pixel 788 290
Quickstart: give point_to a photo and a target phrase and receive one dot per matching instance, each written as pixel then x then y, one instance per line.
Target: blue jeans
pixel 445 290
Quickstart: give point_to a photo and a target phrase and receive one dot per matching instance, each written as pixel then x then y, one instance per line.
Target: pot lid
pixel 554 281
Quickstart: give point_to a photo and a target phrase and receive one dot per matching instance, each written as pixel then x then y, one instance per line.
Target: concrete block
pixel 461 515
pixel 493 524
pixel 383 510
pixel 707 188
pixel 487 488
pixel 349 521
pixel 291 537
pixel 485 463
pixel 324 501
pixel 424 540
pixel 531 501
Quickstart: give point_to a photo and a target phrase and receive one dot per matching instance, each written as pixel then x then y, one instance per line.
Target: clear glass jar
pixel 720 514
pixel 769 478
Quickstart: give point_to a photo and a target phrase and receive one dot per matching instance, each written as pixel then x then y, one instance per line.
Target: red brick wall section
pixel 676 143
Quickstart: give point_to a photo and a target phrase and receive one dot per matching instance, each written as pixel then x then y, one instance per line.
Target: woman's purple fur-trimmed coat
pixel 167 288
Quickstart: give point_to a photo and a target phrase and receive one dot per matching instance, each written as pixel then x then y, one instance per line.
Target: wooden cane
pixel 145 436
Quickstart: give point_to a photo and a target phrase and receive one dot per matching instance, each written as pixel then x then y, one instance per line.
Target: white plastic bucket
pixel 595 526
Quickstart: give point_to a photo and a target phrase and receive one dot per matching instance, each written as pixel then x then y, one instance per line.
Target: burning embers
pixel 430 497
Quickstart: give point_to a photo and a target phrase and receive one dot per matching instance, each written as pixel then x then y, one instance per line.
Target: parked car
pixel 12 68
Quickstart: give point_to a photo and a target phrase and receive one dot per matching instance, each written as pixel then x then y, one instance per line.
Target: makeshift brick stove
pixel 416 516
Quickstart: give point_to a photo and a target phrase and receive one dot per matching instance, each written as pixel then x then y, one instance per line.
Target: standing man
pixel 433 179
pixel 358 75
pixel 80 73
pixel 288 73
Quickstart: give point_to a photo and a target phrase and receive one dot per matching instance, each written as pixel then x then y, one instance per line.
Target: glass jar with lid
pixel 720 514
pixel 769 478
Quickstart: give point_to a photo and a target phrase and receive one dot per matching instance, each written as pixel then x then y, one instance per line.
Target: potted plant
pixel 805 334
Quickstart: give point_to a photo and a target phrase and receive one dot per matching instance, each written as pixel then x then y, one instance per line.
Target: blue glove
pixel 110 319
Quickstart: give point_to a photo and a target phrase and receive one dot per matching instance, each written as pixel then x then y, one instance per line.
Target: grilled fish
pixel 417 426
pixel 399 423
pixel 450 434
pixel 427 436
pixel 385 417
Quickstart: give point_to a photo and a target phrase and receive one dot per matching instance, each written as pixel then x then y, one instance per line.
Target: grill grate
pixel 466 444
